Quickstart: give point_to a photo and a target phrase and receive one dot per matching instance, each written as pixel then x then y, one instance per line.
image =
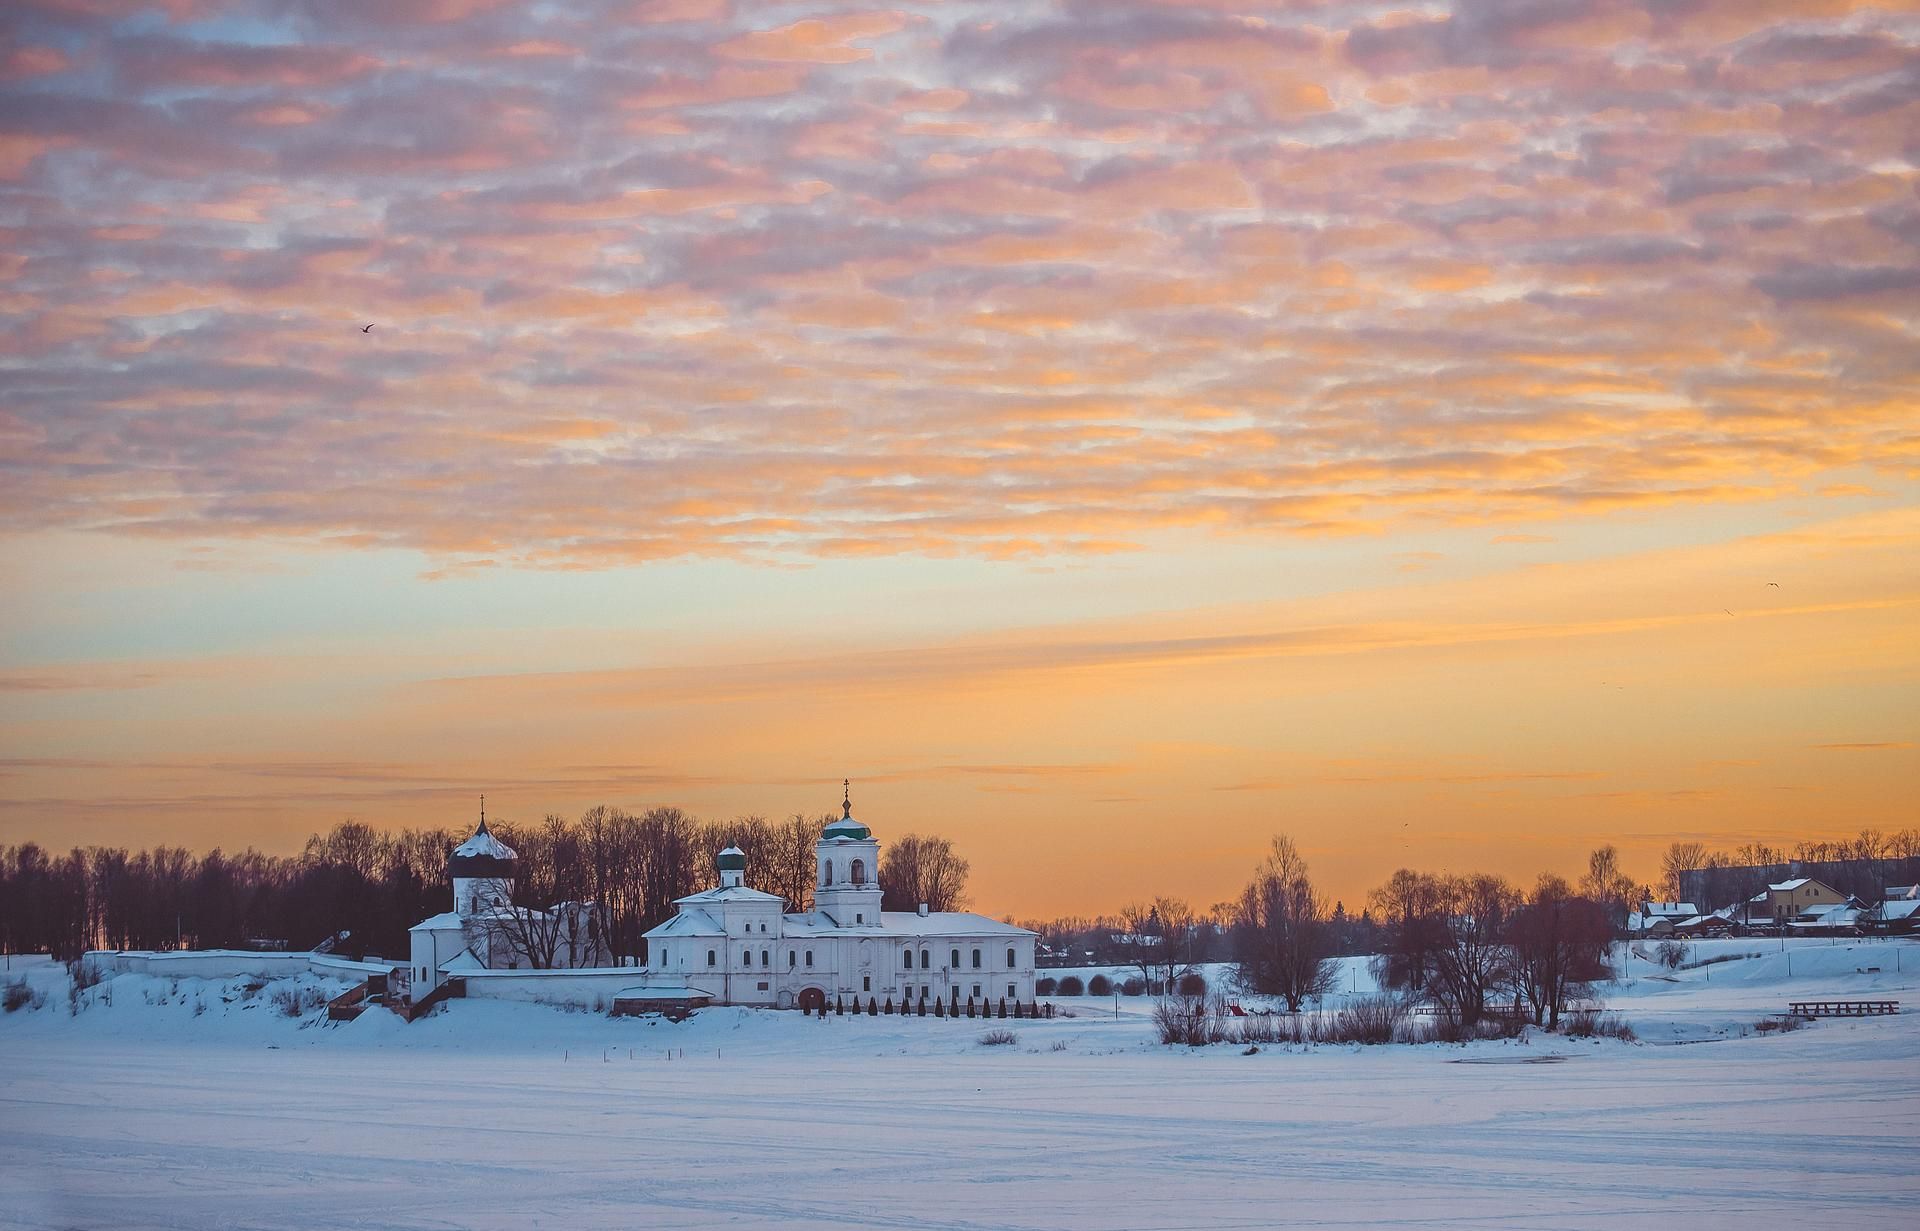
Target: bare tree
pixel 1681 858
pixel 792 869
pixel 1606 884
pixel 1157 938
pixel 1474 961
pixel 918 869
pixel 1281 941
pixel 1412 908
pixel 1560 943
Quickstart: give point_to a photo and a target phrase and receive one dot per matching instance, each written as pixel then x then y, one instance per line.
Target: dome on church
pixel 482 856
pixel 847 827
pixel 733 859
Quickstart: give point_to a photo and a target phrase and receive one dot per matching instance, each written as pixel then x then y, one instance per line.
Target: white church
pixel 734 945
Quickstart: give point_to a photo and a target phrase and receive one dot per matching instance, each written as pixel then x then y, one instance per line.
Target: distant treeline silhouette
pixel 374 885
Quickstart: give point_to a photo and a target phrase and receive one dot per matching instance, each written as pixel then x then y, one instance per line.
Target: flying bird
pixel 1774 584
pixel 367 329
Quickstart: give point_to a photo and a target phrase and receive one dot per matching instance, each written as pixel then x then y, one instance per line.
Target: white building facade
pixel 740 946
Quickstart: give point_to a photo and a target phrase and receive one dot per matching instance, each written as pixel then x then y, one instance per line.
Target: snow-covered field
pixel 153 1111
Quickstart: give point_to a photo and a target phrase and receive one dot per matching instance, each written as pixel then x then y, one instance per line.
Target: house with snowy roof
pixel 1781 904
pixel 740 946
pixel 1660 918
pixel 1899 911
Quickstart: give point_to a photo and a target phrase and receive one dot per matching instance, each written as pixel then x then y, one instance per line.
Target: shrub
pixel 17 996
pixel 1058 1045
pixel 294 1001
pixel 1134 987
pixel 1671 953
pixel 1045 986
pixel 998 1038
pixel 84 973
pixel 1590 1021
pixel 1193 983
pixel 1193 1020
pixel 1099 985
pixel 1071 986
pixel 1374 1019
pixel 1784 1023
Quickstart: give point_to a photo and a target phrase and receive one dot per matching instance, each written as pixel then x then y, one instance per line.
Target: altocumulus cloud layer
pixel 778 281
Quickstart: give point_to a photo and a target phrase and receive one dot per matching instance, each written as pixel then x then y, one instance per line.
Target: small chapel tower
pixel 482 870
pixel 847 868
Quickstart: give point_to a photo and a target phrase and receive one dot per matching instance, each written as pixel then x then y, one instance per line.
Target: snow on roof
pixel 1903 908
pixel 1795 883
pixel 1670 910
pixel 463 960
pixel 1903 891
pixel 730 893
pixel 484 843
pixel 896 923
pixel 1836 911
pixel 446 921
pixel 694 922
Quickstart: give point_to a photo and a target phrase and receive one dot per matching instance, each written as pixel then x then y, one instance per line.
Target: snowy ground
pixel 147 1112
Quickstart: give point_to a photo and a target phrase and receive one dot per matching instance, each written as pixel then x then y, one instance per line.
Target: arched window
pixel 956 960
pixel 712 958
pixel 1010 961
pixel 792 959
pixel 826 872
pixel 908 954
pixel 746 957
pixel 976 959
pixel 926 960
pixel 857 874
pixel 763 959
pixel 809 959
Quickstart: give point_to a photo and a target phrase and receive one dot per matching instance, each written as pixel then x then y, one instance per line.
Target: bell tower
pixel 847 870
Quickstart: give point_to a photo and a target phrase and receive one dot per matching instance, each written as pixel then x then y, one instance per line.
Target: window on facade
pixel 857 874
pixel 976 959
pixel 955 964
pixel 809 959
pixel 859 918
pixel 976 992
pixel 1013 992
pixel 826 874
pixel 907 954
pixel 712 958
pixel 746 957
pixel 926 960
pixel 792 957
pixel 763 959
pixel 1010 962
pixel 866 983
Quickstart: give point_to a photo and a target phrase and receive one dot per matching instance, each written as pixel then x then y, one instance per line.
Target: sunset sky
pixel 1110 432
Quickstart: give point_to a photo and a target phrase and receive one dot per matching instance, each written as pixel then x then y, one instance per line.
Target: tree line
pixel 373 885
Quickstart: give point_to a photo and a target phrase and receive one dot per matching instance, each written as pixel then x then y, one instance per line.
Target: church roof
pixel 729 893
pixel 446 921
pixel 899 923
pixel 689 922
pixel 484 843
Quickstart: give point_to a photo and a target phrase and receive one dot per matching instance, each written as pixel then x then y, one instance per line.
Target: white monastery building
pixel 739 946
